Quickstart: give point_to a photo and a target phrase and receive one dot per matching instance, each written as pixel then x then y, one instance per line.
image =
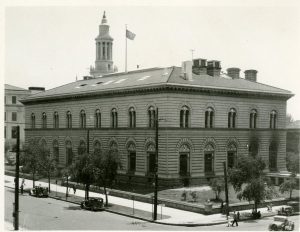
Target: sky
pixel 49 45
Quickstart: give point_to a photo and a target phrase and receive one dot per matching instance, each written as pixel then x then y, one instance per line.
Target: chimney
pixel 199 66
pixel 187 73
pixel 250 75
pixel 234 73
pixel 214 68
pixel 34 90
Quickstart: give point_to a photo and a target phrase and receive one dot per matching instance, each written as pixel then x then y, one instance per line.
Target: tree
pixel 30 158
pixel 217 185
pixel 249 181
pixel 289 185
pixel 83 171
pixel 46 163
pixel 106 164
pixel 289 119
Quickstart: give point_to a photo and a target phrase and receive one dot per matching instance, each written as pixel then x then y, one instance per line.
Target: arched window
pixel 253 148
pixel 69 119
pixel 55 120
pixel 82 148
pixel 273 156
pixel 151 159
pixel 32 121
pixel 231 155
pixel 97 119
pixel 231 118
pixel 97 147
pixel 132 119
pixel 114 118
pixel 113 146
pixel 131 157
pixel 151 115
pixel 82 119
pixel 69 153
pixel 209 151
pixel 44 120
pixel 273 118
pixel 56 151
pixel 184 160
pixel 184 117
pixel 253 119
pixel 209 118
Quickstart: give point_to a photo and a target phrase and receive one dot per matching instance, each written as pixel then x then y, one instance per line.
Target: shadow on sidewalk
pixel 127 211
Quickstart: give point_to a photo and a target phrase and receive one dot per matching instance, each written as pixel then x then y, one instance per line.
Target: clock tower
pixel 104 51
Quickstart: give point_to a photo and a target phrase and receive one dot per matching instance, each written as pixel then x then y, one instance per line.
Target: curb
pixel 144 219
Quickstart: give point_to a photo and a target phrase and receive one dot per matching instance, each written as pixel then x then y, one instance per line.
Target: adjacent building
pixel 14 114
pixel 205 118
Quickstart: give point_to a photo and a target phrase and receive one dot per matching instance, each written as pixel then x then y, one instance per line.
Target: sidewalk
pixel 171 216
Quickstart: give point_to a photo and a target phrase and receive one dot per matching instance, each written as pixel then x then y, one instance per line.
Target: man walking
pixel 235 218
pixel 74 188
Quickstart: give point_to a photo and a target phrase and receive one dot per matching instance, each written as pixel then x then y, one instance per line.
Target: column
pixel 111 57
pixel 107 48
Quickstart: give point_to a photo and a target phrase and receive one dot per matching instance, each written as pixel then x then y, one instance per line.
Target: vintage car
pixel 93 203
pixel 281 223
pixel 39 191
pixel 286 210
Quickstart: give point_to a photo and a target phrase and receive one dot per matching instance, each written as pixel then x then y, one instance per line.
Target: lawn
pixel 204 193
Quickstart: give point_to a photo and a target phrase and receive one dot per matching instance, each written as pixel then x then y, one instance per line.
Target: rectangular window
pixel 183 167
pixel 208 162
pixel 14 116
pixel 230 159
pixel 4 131
pixel 151 163
pixel 14 100
pixel 4 116
pixel 56 154
pixel 14 131
pixel 132 161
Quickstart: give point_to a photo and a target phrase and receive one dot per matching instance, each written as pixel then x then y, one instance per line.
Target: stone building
pixel 205 118
pixel 14 113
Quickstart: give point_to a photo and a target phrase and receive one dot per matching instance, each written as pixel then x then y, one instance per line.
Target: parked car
pixel 93 203
pixel 39 191
pixel 286 210
pixel 281 223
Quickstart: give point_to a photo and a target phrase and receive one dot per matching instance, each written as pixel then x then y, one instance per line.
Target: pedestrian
pixel 22 186
pixel 228 221
pixel 238 215
pixel 74 188
pixel 234 219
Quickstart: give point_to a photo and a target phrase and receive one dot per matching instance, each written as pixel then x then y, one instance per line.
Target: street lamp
pixel 156 166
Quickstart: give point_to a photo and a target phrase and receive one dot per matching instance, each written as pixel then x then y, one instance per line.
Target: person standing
pixel 235 219
pixel 74 188
pixel 22 186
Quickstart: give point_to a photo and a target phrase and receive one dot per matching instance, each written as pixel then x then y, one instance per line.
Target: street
pixel 50 214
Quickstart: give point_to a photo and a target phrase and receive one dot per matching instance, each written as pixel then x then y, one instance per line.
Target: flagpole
pixel 126 48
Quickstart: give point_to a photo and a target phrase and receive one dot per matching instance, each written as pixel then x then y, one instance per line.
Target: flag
pixel 130 35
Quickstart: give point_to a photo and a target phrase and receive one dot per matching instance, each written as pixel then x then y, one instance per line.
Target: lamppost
pixel 156 167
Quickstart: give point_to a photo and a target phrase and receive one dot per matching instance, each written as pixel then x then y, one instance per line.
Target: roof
pixel 156 77
pixel 12 87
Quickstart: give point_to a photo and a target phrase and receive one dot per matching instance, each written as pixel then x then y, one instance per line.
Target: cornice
pixel 161 88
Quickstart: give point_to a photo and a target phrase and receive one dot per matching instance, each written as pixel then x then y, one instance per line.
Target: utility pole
pixel 156 166
pixel 16 209
pixel 226 189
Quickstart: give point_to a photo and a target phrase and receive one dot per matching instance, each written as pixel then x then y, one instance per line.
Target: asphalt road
pixel 50 214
